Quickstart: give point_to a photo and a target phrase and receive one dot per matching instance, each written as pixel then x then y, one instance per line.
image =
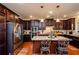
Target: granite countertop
pixel 49 38
pixel 75 35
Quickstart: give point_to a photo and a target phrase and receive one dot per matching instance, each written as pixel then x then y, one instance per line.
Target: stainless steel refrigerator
pixel 10 37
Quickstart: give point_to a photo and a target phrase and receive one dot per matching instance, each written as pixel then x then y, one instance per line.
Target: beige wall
pixel 76 23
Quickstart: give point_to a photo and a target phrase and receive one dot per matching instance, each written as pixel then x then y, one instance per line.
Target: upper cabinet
pixel 49 22
pixel 69 24
pixel 33 23
pixel 27 25
pixel 38 23
pixel 62 25
pixel 10 16
pixel 58 25
pixel 2 9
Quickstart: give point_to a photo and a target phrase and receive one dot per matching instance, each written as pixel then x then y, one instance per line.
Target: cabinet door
pixel 41 25
pixel 58 25
pixel 26 25
pixel 71 24
pixel 73 21
pixel 61 25
pixel 49 22
pixel 2 35
pixel 10 16
pixel 2 9
pixel 29 25
pixel 65 24
pixel 36 47
pixel 53 47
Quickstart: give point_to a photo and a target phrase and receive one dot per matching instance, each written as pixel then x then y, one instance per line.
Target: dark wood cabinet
pixel 36 47
pixel 3 49
pixel 41 25
pixel 49 22
pixel 69 24
pixel 31 23
pixel 65 24
pixel 10 16
pixel 58 25
pixel 26 38
pixel 2 9
pixel 6 15
pixel 38 23
pixel 62 25
pixel 27 25
pixel 53 47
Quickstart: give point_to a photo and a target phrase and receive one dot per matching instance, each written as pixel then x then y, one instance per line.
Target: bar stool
pixel 63 47
pixel 45 47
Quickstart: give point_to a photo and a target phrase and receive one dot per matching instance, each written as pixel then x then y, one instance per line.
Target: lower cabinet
pixel 37 47
pixel 53 47
pixel 26 38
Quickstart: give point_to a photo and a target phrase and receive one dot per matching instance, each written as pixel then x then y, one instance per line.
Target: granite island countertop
pixel 49 38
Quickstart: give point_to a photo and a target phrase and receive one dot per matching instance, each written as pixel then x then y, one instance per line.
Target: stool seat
pixel 63 47
pixel 45 47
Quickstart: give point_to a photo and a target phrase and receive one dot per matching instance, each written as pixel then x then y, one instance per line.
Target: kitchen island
pixel 57 38
pixel 53 45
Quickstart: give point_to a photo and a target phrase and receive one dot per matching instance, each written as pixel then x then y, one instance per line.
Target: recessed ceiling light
pixel 31 16
pixel 16 17
pixel 42 6
pixel 48 16
pixel 77 12
pixel 57 6
pixel 50 12
pixel 57 20
pixel 42 20
pixel 65 15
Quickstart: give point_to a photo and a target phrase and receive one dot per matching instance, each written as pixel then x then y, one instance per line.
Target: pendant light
pixel 57 20
pixel 42 20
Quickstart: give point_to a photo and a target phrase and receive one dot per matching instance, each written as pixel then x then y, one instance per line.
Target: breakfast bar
pixel 52 43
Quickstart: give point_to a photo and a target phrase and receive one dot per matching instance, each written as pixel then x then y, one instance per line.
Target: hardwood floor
pixel 73 50
pixel 27 49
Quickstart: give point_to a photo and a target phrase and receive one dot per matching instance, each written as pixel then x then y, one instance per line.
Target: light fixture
pixel 65 15
pixel 48 16
pixel 77 12
pixel 31 16
pixel 57 6
pixel 42 6
pixel 50 12
pixel 42 20
pixel 16 17
pixel 57 20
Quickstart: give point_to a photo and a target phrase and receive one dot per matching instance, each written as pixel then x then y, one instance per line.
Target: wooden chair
pixel 45 47
pixel 63 47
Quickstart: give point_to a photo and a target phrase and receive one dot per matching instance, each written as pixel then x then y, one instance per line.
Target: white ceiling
pixel 27 9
